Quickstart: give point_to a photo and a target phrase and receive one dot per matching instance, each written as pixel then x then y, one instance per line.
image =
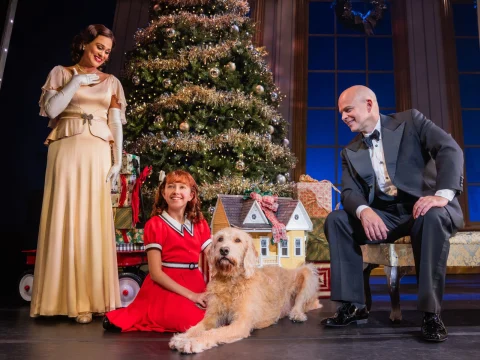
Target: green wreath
pixel 356 20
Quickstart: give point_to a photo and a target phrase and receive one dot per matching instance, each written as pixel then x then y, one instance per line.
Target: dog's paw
pixel 177 342
pixel 297 316
pixel 195 346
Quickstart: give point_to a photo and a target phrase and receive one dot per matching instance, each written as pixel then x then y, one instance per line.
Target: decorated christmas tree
pixel 202 99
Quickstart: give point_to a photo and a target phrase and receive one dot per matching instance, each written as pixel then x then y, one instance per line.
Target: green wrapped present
pixel 123 218
pixel 129 236
pixel 317 245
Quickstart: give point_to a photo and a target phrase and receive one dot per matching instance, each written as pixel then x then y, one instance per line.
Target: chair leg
pixel 367 269
pixel 394 274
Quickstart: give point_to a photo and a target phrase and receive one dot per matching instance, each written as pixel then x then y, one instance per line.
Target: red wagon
pixel 130 275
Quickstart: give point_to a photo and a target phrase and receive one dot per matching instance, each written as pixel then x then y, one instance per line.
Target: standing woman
pixel 76 266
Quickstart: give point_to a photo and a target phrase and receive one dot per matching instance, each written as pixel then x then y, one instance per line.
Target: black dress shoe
pixel 347 314
pixel 107 325
pixel 433 328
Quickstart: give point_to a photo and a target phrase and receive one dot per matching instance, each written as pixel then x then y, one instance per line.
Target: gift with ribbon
pixel 269 206
pixel 126 236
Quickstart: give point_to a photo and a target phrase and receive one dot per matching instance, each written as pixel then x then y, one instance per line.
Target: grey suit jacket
pixel 420 157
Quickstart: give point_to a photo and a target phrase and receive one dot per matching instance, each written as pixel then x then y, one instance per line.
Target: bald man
pixel 401 176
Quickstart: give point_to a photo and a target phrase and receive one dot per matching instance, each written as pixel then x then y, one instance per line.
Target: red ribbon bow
pixel 269 205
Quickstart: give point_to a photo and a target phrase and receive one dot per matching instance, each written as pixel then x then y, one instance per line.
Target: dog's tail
pixel 310 285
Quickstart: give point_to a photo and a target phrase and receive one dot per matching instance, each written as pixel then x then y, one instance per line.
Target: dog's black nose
pixel 224 251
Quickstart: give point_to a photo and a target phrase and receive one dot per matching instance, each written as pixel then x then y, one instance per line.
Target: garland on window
pixel 356 20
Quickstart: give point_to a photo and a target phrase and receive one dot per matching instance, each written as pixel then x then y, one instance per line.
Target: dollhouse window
pixel 298 247
pixel 264 246
pixel 283 247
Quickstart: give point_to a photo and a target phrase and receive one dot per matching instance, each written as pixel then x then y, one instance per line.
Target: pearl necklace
pixel 82 69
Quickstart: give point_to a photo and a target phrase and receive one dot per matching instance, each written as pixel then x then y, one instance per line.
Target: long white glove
pixel 56 101
pixel 115 125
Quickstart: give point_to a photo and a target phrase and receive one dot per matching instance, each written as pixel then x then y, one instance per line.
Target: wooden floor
pixel 59 338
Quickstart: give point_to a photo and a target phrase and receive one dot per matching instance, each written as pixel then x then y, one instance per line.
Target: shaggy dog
pixel 242 297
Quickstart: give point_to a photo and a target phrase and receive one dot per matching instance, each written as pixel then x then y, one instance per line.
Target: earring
pixel 83 47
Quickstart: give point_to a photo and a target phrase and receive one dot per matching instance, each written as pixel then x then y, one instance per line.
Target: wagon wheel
pixel 25 286
pixel 129 287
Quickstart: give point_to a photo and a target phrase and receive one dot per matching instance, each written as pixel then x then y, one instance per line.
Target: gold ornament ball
pixel 214 73
pixel 167 83
pixel 240 165
pixel 170 32
pixel 184 126
pixel 259 89
pixel 231 66
pixel 271 129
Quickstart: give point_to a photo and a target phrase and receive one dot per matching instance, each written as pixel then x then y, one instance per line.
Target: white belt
pixel 190 266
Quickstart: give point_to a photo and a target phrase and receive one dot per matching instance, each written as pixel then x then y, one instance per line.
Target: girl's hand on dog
pixel 199 299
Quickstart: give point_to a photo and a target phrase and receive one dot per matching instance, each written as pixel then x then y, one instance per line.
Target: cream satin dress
pixel 76 264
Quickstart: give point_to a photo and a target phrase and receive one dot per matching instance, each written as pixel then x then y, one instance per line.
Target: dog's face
pixel 233 253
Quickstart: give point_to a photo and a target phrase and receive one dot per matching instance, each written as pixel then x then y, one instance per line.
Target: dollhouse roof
pixel 248 214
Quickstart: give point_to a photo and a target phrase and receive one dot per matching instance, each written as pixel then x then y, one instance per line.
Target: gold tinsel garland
pixel 185 56
pixel 199 94
pixel 238 185
pixel 195 143
pixel 148 34
pixel 237 6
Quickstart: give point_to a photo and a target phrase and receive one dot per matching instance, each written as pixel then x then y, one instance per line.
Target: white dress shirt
pixel 384 181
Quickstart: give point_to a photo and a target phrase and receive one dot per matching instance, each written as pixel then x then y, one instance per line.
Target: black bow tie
pixel 368 140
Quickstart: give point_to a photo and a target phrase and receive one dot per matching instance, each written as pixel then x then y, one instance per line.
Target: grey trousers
pixel 430 236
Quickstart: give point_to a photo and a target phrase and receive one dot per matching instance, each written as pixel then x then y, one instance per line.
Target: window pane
pixel 321 163
pixel 321 127
pixel 465 19
pixel 468 54
pixel 321 90
pixel 321 55
pixel 321 18
pixel 264 252
pixel 384 87
pixel 474 203
pixel 347 80
pixel 284 251
pixel 297 243
pixel 469 93
pixel 472 165
pixel 380 54
pixel 471 127
pixel 298 251
pixel 350 53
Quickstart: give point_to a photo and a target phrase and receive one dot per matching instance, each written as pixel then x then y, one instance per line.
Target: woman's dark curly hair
pixel 192 211
pixel 87 36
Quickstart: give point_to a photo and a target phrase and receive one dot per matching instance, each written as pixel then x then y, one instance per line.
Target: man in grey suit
pixel 401 175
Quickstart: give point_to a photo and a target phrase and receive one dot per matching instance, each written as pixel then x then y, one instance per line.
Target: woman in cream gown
pixel 76 266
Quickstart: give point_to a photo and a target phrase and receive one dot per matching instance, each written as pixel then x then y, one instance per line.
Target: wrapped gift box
pixel 116 186
pixel 116 200
pixel 316 197
pixel 129 236
pixel 324 289
pixel 123 218
pixel 129 164
pixel 317 244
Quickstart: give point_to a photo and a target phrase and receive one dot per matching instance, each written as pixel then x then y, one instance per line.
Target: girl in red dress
pixel 173 293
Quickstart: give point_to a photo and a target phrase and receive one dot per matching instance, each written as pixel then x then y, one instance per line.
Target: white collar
pixel 377 127
pixel 175 225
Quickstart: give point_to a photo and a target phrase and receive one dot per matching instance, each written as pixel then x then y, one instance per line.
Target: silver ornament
pixel 211 210
pixel 170 32
pixel 275 121
pixel 214 73
pixel 281 179
pixel 287 176
pixel 259 89
pixel 136 80
pixel 240 165
pixel 271 129
pixel 235 28
pixel 167 83
pixel 274 96
pixel 231 66
pixel 268 136
pixel 286 142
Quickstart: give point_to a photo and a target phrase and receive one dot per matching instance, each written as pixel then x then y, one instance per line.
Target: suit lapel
pixel 359 157
pixel 392 134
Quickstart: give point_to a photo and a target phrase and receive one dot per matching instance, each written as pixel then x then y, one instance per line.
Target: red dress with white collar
pixel 156 308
